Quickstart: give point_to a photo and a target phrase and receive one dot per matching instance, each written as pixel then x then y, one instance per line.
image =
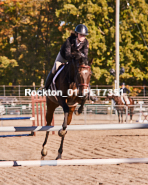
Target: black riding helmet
pixel 82 29
pixel 122 83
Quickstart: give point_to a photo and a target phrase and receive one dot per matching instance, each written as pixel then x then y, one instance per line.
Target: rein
pixel 68 72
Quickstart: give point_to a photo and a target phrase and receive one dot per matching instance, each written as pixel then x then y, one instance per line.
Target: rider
pixel 76 42
pixel 124 93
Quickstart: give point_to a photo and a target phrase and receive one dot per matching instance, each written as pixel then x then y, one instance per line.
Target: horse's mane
pixel 78 59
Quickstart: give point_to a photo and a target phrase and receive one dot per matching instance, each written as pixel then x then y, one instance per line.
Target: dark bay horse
pixel 120 109
pixel 75 76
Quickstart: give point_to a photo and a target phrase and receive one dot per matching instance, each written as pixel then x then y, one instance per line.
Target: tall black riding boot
pixel 49 80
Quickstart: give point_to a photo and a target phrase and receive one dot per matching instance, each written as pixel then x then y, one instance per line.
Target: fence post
pixel 144 90
pixel 126 114
pixel 4 89
pixel 140 115
pixel 41 100
pixel 112 106
pixel 37 110
pixel 33 114
pixel 85 114
pixel 44 100
pixel 19 90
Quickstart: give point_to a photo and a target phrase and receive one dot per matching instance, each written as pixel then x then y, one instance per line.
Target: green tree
pixel 31 34
pixel 99 17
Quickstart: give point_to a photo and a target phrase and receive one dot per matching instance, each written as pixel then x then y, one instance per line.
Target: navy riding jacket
pixel 125 90
pixel 70 46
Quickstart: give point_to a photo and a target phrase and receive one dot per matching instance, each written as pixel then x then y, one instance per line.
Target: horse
pixel 75 76
pixel 120 109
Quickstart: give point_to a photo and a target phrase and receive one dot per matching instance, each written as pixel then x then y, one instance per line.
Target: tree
pixel 33 31
pixel 31 34
pixel 99 17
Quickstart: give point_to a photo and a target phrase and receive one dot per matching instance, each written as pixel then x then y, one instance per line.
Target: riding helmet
pixel 82 29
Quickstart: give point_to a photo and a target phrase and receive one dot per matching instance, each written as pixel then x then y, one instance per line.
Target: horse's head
pixel 83 75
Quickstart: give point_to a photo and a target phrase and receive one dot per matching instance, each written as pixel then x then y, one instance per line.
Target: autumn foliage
pixel 31 35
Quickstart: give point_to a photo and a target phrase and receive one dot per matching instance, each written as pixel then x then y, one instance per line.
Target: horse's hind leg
pixel 65 107
pixel 121 116
pixel 131 114
pixel 49 115
pixel 60 151
pixel 118 116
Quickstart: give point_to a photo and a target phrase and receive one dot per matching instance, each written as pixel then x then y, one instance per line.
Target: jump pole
pixel 75 127
pixel 15 118
pixel 73 162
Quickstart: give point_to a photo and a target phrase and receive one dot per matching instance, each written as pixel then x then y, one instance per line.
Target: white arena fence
pixel 91 112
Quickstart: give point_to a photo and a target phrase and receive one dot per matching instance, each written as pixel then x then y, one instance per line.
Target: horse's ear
pixel 90 62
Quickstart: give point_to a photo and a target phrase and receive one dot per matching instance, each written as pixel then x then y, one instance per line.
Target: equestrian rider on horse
pixel 76 42
pixel 124 93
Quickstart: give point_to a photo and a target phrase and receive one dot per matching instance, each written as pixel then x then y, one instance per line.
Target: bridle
pixel 84 66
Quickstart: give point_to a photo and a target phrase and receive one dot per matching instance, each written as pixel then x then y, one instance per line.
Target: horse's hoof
pixel 59 156
pixel 42 157
pixel 76 112
pixel 62 132
pixel 44 152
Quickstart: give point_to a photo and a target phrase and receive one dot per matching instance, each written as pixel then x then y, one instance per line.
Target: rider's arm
pixel 86 46
pixel 68 55
pixel 128 90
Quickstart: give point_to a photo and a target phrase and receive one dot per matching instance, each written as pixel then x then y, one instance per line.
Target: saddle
pixel 52 85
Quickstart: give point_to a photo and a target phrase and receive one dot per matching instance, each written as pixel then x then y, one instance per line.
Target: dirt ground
pixel 77 145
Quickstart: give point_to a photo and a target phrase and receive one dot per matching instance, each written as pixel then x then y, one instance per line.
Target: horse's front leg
pixel 60 151
pixel 80 109
pixel 49 115
pixel 63 131
pixel 44 150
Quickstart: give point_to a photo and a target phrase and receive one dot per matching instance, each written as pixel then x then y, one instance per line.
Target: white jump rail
pixel 75 127
pixel 73 162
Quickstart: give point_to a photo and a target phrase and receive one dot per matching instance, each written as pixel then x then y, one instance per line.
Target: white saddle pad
pixel 57 74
